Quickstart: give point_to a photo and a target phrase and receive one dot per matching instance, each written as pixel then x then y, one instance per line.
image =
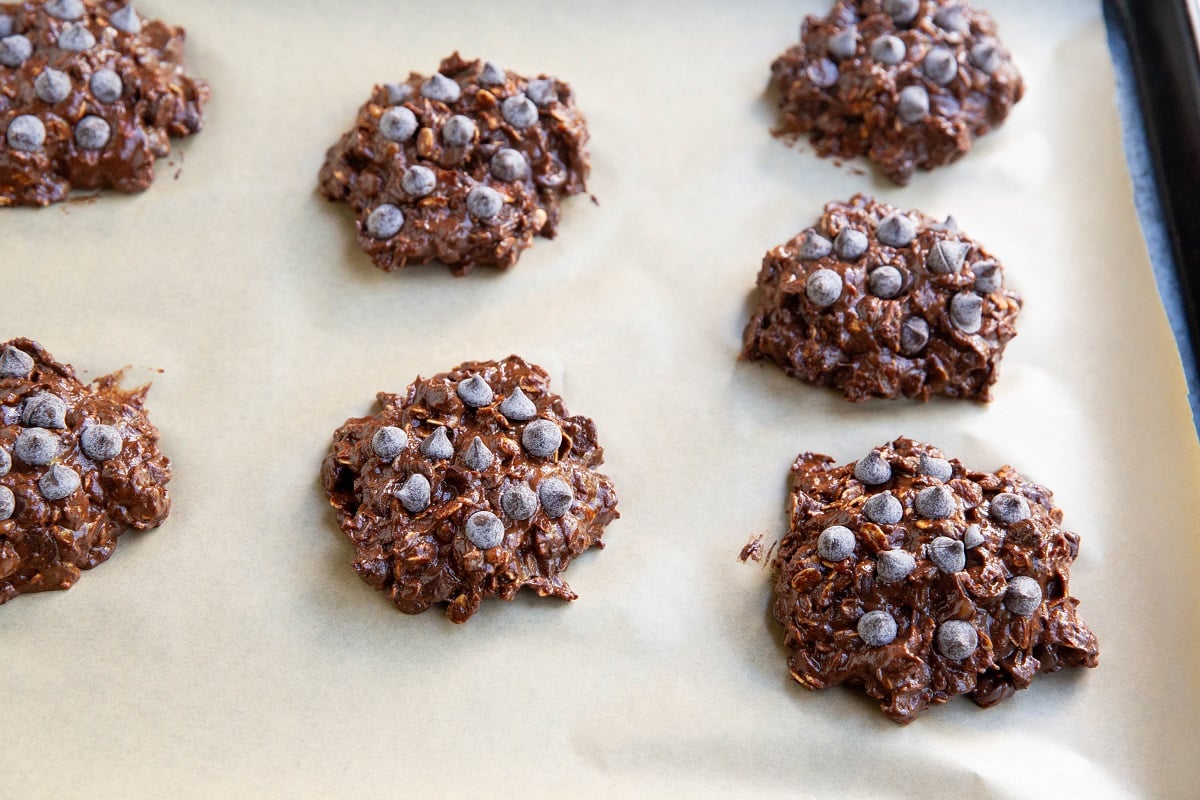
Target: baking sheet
pixel 235 653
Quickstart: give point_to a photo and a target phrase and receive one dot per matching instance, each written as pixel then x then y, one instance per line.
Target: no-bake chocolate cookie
pixel 90 95
pixel 880 302
pixel 917 579
pixel 464 166
pixel 908 83
pixel 473 483
pixel 79 465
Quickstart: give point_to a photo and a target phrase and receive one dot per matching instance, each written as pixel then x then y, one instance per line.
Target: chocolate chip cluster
pixel 93 95
pixel 908 83
pixel 917 579
pixel 79 465
pixel 464 166
pixel 881 302
pixel 473 483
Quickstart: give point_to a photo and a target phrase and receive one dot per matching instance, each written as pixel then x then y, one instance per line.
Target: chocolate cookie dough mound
pixel 465 166
pixel 79 465
pixel 917 579
pixel 907 83
pixel 90 95
pixel 880 302
pixel 473 483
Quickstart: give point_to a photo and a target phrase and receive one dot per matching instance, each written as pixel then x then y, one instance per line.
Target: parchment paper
pixel 234 652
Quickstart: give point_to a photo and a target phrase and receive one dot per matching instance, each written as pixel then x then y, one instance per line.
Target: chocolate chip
pixel 518 111
pixel 835 543
pixel 15 363
pixel 517 407
pixel 492 75
pixel 52 86
pixel 914 335
pixel 415 494
pixel 873 469
pixel 474 392
pixel 92 133
pixel 556 497
pixel 439 87
pixel 952 18
pixel 1007 508
pixel 888 50
pixel 966 312
pixel 883 509
pixel 844 43
pixel 389 442
pixel 947 554
pixel 876 628
pixel 938 468
pixel 418 181
pixel 814 245
pixel 896 230
pixel 101 442
pixel 542 438
pixel 823 73
pixel 398 93
pixel 485 530
pixel 126 20
pixel 385 221
pixel 44 410
pixel 940 65
pixel 949 226
pixel 458 131
pixel 478 457
pixel 76 38
pixel 946 257
pixel 106 86
pixel 850 244
pixel 972 537
pixel 509 165
pixel 902 11
pixel 986 56
pixel 823 287
pixel 935 502
pixel 519 502
pixel 484 202
pixel 1023 597
pixel 8 503
pixel 436 446
pixel 26 133
pixel 36 447
pixel 956 639
pixel 987 276
pixel 885 282
pixel 5 463
pixel 542 92
pixel 14 50
pixel 398 124
pixel 913 104
pixel 58 482
pixel 894 565
pixel 65 9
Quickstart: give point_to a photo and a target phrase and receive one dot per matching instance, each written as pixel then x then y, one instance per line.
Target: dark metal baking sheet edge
pixel 1156 58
